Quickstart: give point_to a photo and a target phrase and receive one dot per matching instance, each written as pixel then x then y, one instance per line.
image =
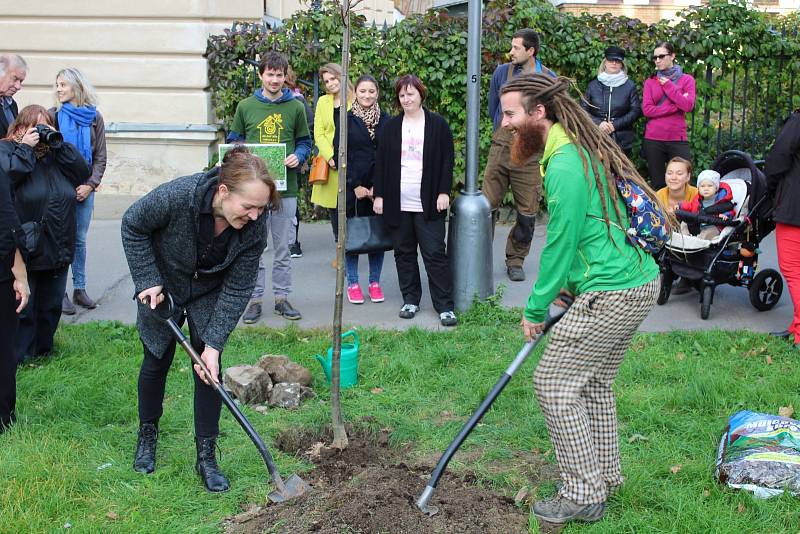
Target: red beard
pixel 528 141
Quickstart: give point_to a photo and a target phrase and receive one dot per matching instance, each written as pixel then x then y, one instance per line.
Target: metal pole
pixel 470 236
pixel 473 94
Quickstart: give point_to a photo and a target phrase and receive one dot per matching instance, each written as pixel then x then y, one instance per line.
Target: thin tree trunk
pixel 340 440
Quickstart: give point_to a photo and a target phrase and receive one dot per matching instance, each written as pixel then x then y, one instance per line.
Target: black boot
pixel 207 466
pixel 145 459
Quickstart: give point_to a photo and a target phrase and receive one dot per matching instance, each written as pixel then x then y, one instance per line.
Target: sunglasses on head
pixel 659 57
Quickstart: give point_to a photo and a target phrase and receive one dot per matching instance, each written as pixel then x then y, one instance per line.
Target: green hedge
pixel 724 36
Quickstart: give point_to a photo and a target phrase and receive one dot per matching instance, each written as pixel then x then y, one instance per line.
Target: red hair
pixel 409 80
pixel 28 118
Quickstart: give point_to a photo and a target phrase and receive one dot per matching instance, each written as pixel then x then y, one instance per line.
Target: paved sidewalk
pixel 314 281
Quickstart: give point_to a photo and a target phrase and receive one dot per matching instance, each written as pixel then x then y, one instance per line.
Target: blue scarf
pixel 673 73
pixel 74 123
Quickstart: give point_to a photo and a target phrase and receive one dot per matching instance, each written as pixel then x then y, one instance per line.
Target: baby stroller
pixel 731 257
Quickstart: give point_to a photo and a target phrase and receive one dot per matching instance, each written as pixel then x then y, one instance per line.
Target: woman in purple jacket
pixel 668 96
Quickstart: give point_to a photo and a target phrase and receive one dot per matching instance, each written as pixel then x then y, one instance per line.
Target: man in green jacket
pixel 588 255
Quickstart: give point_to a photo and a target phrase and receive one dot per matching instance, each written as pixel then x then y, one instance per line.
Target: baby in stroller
pixel 714 199
pixel 731 216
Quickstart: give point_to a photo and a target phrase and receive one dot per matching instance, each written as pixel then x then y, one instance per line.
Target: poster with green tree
pixel 273 154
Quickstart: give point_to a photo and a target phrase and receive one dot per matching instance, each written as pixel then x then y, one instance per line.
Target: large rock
pixel 248 383
pixel 282 369
pixel 286 395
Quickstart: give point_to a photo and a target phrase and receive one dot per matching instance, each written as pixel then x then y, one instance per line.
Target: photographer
pixel 44 172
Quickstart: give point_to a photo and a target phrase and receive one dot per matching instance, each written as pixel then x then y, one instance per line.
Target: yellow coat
pixel 324 129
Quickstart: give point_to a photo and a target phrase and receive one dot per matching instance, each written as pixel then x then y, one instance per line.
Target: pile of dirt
pixel 367 488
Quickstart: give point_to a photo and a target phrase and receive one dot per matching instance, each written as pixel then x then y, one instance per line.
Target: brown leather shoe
pixel 80 298
pixel 67 307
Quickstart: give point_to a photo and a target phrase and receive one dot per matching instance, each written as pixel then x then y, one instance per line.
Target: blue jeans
pixel 83 216
pixel 375 267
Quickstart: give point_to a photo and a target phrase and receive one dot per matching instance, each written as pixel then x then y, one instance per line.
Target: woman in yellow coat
pixel 325 118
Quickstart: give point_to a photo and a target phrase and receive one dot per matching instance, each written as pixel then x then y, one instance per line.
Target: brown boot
pixel 80 298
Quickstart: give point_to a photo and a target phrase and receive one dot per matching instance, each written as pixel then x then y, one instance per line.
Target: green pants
pixel 526 186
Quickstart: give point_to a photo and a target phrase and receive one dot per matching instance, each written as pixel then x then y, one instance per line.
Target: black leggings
pixel 658 154
pixel 8 357
pixel 153 380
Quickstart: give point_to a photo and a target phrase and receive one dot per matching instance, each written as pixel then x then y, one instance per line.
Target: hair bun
pixel 238 150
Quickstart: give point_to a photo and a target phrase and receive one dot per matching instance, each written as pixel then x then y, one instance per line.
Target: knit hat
pixel 708 176
pixel 615 53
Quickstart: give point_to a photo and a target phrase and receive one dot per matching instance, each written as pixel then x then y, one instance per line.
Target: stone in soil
pixel 282 369
pixel 368 488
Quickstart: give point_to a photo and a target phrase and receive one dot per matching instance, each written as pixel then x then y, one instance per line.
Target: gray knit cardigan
pixel 159 234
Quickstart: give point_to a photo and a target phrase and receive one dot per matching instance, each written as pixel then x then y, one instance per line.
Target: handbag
pixel 367 234
pixel 319 171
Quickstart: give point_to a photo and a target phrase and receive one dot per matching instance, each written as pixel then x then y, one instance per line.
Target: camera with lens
pixel 48 136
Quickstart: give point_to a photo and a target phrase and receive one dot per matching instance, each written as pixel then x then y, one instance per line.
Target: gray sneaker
pixel 515 274
pixel 282 307
pixel 252 314
pixel 560 510
pixel 448 318
pixel 408 311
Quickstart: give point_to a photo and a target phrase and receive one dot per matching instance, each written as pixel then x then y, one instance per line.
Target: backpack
pixel 648 228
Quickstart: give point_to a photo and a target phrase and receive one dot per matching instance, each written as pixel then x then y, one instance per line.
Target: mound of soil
pixel 367 488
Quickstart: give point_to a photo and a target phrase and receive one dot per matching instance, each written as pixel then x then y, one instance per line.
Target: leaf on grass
pixel 67 525
pixel 303 340
pixel 376 391
pixel 786 411
pixel 638 437
pixel 680 356
pixel 521 495
pixel 740 508
pixel 706 493
pixel 675 468
pixel 112 515
pixel 768 359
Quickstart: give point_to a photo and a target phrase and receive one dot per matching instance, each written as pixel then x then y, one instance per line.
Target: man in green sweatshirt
pixel 614 282
pixel 273 115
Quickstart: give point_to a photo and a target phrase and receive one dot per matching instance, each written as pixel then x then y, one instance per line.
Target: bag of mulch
pixel 760 452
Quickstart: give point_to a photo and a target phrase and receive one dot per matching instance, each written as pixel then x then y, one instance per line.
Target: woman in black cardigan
pixel 365 120
pixel 413 178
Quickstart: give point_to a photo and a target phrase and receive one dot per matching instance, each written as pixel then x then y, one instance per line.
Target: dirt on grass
pixel 368 488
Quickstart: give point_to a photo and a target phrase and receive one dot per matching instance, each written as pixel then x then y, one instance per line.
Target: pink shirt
pixel 667 122
pixel 411 165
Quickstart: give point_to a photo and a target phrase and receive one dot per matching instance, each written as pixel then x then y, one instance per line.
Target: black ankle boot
pixel 145 459
pixel 207 466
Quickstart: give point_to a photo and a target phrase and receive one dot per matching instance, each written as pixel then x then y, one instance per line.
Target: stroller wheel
pixel 666 288
pixel 766 289
pixel 705 301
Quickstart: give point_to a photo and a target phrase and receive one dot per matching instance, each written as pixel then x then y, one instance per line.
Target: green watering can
pixel 348 364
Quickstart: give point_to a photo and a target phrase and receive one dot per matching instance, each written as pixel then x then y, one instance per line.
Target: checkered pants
pixel 573 384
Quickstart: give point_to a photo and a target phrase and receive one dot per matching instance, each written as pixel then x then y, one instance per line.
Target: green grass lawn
pixel 68 460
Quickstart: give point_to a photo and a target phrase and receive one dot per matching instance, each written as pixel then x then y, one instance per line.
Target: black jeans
pixel 415 231
pixel 658 154
pixel 8 357
pixel 39 320
pixel 153 380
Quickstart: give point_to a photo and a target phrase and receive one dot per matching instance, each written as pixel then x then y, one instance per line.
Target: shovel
pixel 522 355
pixel 292 487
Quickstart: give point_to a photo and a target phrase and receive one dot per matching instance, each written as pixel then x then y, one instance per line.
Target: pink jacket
pixel 667 122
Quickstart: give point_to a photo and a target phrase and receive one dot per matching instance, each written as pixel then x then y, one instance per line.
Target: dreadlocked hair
pixel 553 94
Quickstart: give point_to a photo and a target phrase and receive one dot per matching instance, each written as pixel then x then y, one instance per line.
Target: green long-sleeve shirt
pixel 579 255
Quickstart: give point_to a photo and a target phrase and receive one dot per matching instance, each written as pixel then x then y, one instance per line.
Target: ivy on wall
pixel 717 38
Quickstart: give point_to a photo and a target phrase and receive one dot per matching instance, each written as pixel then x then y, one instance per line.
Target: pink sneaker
pixel 375 292
pixel 354 294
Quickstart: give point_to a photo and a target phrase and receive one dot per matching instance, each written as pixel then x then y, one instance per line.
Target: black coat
pixel 625 108
pixel 159 234
pixel 3 122
pixel 783 172
pixel 44 190
pixel 361 150
pixel 438 158
pixel 10 231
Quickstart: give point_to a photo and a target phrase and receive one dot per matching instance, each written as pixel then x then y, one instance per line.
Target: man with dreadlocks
pixel 614 283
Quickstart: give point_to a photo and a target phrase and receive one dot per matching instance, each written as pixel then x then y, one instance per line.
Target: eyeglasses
pixel 659 57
